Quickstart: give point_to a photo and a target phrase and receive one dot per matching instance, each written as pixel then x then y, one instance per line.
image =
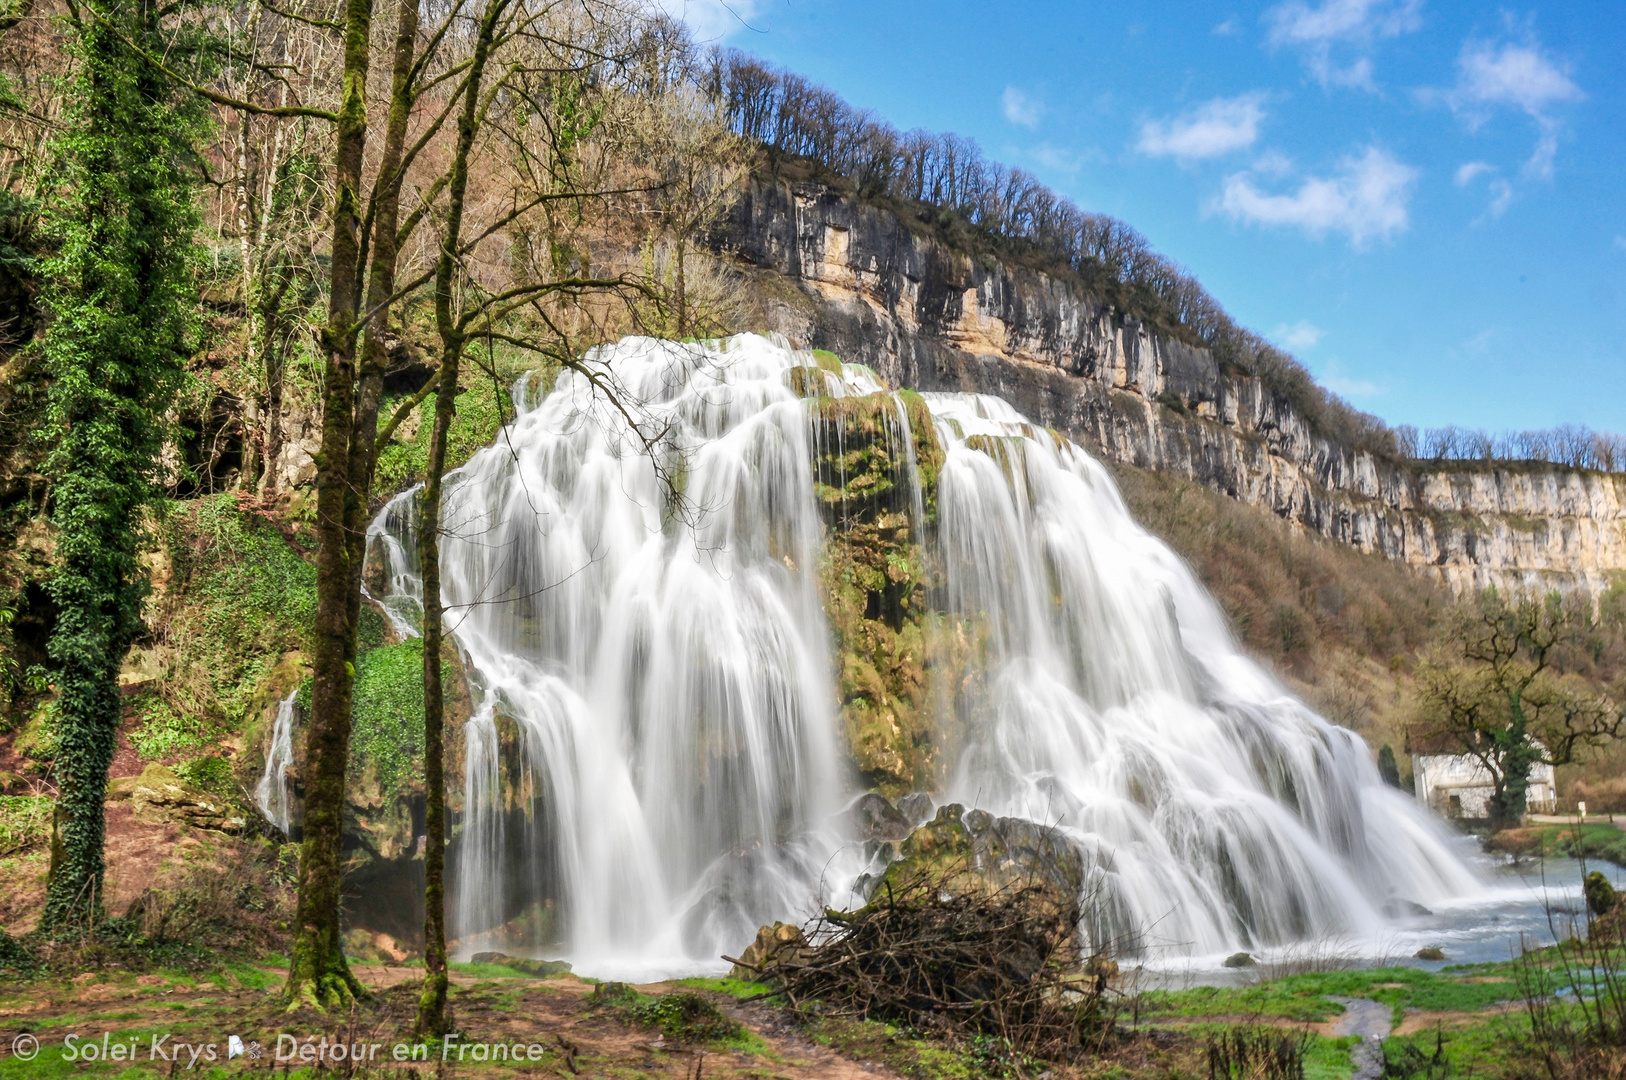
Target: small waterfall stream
pixel 654 767
pixel 271 795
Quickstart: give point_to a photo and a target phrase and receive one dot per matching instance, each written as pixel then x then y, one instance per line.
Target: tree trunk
pixel 318 974
pixel 122 296
pixel 432 1003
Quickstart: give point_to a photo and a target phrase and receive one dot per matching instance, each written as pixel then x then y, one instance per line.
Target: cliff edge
pixel 868 287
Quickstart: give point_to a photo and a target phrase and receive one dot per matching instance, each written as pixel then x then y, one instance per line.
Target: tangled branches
pixel 1002 961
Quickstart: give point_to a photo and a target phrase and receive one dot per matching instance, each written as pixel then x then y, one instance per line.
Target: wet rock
pixel 1397 908
pixel 915 807
pixel 874 818
pixel 779 942
pixel 1239 960
pixel 1430 953
pixel 962 852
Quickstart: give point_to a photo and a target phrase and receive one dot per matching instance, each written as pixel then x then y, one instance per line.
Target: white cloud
pixel 1273 163
pixel 1501 198
pixel 1300 335
pixel 1365 198
pixel 1021 109
pixel 1343 24
pixel 1516 76
pixel 1214 128
pixel 1467 172
pixel 1344 386
pixel 1521 76
pixel 1229 28
pixel 711 20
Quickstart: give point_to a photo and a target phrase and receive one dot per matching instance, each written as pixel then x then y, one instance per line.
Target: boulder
pixel 916 808
pixel 158 794
pixel 874 818
pixel 778 943
pixel 1239 960
pixel 961 852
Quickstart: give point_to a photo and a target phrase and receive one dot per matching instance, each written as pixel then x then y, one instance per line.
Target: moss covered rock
pixel 961 853
pixel 875 476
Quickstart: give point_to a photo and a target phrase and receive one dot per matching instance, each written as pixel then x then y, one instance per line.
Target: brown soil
pixel 1417 1020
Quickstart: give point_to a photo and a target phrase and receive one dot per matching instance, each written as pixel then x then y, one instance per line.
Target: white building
pixel 1458 786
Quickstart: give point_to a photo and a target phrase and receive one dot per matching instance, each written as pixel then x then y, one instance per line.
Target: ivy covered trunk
pixel 123 307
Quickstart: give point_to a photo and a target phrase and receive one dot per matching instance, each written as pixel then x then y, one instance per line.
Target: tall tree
pixel 122 306
pixel 318 974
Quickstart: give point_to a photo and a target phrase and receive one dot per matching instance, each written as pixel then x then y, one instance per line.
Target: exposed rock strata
pixel 929 318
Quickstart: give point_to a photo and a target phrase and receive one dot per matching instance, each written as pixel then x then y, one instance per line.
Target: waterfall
pixel 271 795
pixel 655 766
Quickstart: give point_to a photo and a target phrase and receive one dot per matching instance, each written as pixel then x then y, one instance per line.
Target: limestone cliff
pixel 925 317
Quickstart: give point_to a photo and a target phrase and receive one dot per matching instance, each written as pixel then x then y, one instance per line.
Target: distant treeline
pixel 947 176
pixel 1574 445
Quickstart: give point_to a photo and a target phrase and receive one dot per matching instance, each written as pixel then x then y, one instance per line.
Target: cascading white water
pixel 271 795
pixel 655 753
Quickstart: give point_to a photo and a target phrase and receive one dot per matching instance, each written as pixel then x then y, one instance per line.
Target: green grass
pixel 1306 997
pixel 25 822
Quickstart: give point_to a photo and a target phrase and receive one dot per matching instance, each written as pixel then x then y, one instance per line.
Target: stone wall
pixel 868 288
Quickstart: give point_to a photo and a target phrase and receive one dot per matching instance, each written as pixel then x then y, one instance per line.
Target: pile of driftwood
pixel 1003 962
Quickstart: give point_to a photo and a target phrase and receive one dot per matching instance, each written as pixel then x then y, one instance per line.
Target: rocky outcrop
pixel 925 317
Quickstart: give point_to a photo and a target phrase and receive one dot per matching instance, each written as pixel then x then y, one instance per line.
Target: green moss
pixel 239 596
pixel 386 738
pixel 876 580
pixel 828 360
pixel 211 774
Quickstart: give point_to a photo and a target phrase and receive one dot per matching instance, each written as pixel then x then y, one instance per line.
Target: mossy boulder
pixel 962 853
pixel 160 794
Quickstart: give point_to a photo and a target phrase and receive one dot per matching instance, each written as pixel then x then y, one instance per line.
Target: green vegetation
pixel 684 1016
pixel 386 739
pixel 25 822
pixel 1594 842
pixel 876 582
pixel 483 406
pixel 239 597
pixel 1307 997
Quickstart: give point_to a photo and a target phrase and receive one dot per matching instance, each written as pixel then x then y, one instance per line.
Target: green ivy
pixel 121 295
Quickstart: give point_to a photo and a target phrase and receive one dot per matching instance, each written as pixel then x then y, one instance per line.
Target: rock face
pixel 960 852
pixel 929 318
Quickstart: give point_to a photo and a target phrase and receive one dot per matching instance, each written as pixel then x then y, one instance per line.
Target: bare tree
pixel 1497 689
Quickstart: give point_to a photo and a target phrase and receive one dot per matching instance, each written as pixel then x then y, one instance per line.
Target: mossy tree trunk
pixel 122 300
pixel 318 974
pixel 432 1003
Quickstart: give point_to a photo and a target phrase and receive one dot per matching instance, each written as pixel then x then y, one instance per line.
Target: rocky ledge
pixel 869 288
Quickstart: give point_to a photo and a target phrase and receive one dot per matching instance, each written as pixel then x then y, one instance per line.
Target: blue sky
pixel 1425 202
